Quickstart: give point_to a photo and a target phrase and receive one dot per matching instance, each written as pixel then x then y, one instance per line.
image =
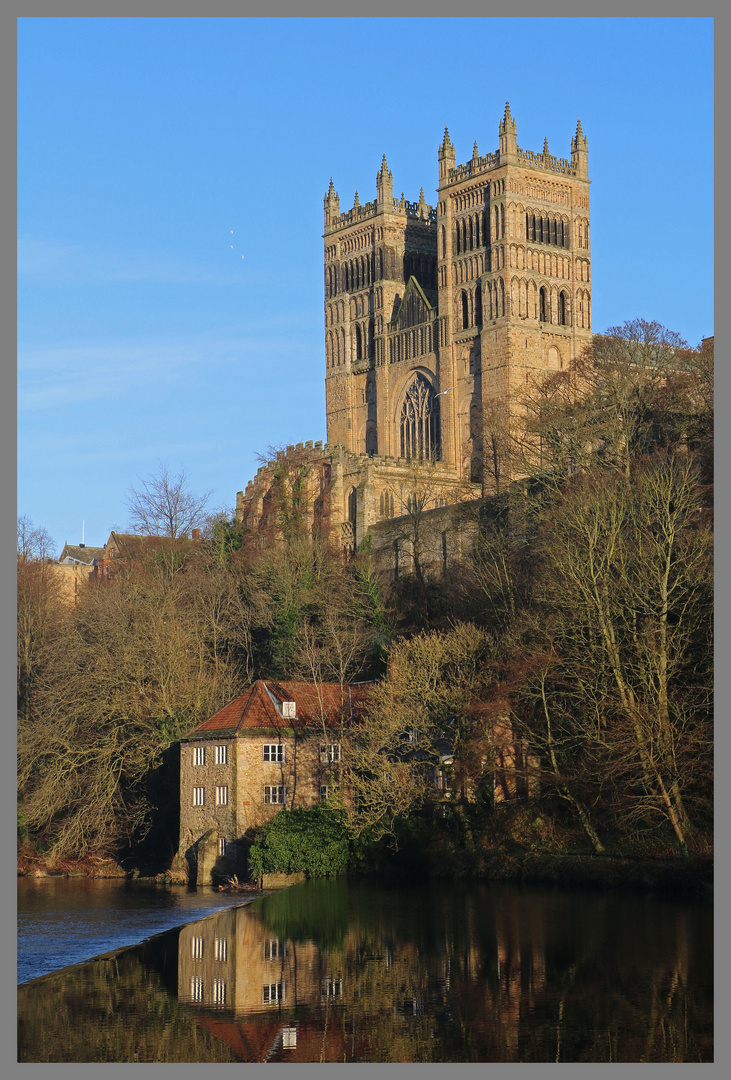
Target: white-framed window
pixel 219 991
pixel 331 988
pixel 274 752
pixel 330 752
pixel 289 1038
pixel 289 710
pixel 199 755
pixel 273 993
pixel 274 949
pixel 324 792
pixel 222 795
pixel 196 987
pixel 220 949
pixel 413 735
pixel 196 948
pixel 275 793
pixel 221 755
pixel 199 795
pixel 222 845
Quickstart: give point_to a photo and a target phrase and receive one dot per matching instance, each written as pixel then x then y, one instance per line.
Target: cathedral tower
pixel 437 318
pixel 514 279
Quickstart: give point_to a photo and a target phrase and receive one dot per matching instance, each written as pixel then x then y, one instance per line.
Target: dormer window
pixel 289 710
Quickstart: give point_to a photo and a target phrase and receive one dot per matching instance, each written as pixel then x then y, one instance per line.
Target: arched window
pixel 358 342
pixel 419 422
pixel 444 242
pixel 543 305
pixel 464 310
pixel 502 297
pixel 478 306
pixel 353 508
pixel 562 308
pixel 502 221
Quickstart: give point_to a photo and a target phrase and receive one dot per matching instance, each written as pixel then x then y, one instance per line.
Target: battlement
pixel 417 211
pixel 474 166
pixel 526 158
pixel 547 162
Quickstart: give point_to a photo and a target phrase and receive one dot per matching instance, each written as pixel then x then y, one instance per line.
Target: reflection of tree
pixel 118 1009
pixel 486 973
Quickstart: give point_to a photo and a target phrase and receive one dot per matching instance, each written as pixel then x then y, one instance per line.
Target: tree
pixel 628 394
pixel 141 659
pixel 39 610
pixel 164 506
pixel 624 586
pixel 422 708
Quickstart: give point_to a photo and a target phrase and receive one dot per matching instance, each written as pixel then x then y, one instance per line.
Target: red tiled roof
pixel 258 707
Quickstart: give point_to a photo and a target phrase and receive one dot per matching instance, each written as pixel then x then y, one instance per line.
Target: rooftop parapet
pixel 414 210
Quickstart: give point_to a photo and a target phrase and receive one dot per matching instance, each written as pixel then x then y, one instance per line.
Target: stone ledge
pixel 281 881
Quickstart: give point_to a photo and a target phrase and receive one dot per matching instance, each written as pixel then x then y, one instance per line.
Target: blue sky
pixel 171 174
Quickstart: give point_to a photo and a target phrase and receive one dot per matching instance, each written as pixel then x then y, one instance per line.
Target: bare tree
pixel 164 506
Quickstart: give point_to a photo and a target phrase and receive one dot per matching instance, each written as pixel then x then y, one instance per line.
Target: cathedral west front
pixel 436 318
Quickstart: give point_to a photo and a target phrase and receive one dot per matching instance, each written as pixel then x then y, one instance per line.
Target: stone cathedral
pixel 435 317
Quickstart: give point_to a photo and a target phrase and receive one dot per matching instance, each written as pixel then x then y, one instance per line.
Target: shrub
pixel 313 842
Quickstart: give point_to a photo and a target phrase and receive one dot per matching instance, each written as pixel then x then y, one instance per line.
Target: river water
pixel 357 971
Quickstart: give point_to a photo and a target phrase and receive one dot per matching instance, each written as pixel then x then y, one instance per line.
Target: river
pixel 365 972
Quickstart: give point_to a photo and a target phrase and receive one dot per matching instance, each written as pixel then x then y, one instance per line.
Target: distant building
pixel 436 317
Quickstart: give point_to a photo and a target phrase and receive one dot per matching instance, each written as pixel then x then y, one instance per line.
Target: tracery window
pixel 420 422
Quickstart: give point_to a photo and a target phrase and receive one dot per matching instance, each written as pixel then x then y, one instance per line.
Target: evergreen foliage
pixel 302 841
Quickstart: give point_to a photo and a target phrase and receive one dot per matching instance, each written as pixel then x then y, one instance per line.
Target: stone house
pixel 276 745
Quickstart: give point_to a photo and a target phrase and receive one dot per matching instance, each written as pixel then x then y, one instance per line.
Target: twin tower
pixel 436 316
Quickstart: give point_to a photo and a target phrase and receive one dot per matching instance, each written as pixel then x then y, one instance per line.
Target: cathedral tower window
pixel 562 309
pixel 419 422
pixel 353 508
pixel 464 310
pixel 358 342
pixel 543 305
pixel 478 306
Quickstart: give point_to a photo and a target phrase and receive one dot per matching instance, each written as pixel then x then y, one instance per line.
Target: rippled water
pixel 351 971
pixel 65 921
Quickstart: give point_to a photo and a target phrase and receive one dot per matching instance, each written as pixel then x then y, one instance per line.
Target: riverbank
pixel 690 878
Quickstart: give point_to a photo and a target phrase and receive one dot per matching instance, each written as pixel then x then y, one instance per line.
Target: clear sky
pixel 171 175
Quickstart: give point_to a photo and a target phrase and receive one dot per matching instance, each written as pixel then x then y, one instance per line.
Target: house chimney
pixel 196 534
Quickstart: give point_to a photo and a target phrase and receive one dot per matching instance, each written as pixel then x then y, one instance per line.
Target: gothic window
pixel 472 238
pixel 371 440
pixel 502 297
pixel 543 305
pixel 419 422
pixel 358 342
pixel 464 310
pixel 353 508
pixel 502 221
pixel 562 308
pixel 478 306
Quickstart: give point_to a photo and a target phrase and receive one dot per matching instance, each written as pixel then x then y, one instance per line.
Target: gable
pixel 414 308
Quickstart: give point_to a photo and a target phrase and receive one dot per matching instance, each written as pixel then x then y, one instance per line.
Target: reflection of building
pixel 436 318
pixel 277 745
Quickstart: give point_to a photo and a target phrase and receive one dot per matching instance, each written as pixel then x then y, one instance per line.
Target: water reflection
pixel 337 972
